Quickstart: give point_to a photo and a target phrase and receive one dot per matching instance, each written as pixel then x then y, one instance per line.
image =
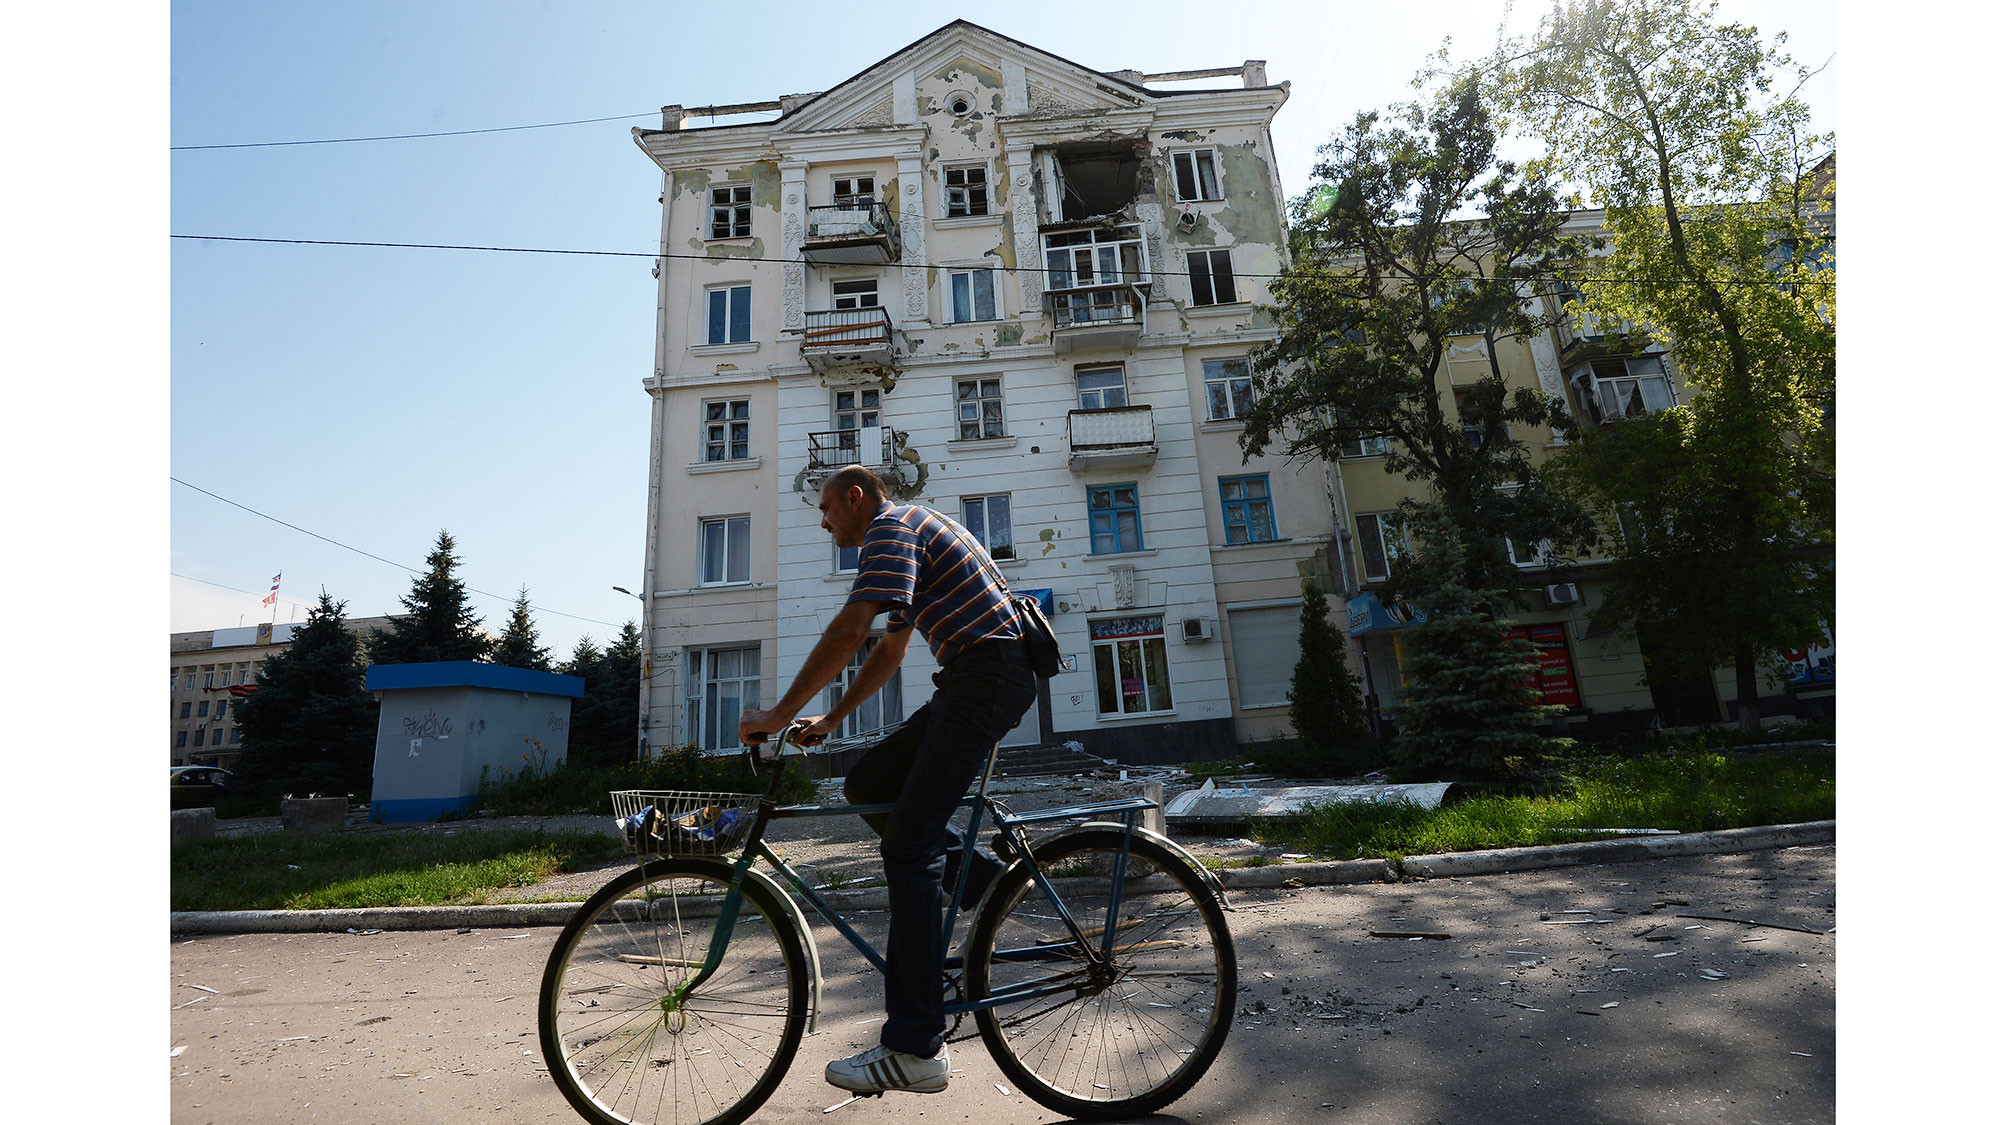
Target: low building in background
pixel 212 671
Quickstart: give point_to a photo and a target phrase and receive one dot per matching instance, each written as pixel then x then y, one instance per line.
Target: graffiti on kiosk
pixel 430 726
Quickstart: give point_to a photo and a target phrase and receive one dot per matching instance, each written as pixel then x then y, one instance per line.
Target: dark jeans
pixel 924 766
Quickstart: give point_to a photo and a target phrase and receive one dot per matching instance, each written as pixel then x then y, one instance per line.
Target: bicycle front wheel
pixel 1128 1024
pixel 632 1032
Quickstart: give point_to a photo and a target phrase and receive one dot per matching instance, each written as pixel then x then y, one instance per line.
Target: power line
pixel 909 265
pixel 377 558
pixel 413 136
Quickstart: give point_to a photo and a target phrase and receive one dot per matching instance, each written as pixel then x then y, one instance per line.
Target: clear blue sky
pixel 373 396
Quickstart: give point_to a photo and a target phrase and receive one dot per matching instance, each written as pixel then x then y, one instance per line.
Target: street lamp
pixel 629 594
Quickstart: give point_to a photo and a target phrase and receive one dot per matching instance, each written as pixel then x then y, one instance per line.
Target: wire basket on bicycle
pixel 682 822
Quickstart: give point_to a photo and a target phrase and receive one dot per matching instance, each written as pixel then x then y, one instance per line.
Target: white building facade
pixel 1023 291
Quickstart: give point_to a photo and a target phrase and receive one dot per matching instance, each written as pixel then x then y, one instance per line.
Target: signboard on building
pixel 1555 673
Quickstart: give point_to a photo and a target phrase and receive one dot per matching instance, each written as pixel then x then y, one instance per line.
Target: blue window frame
pixel 1114 519
pixel 729 315
pixel 1246 510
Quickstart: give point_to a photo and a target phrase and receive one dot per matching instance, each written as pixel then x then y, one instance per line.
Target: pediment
pixel 1053 85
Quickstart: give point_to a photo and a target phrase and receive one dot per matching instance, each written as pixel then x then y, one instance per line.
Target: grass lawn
pixel 280 871
pixel 1687 792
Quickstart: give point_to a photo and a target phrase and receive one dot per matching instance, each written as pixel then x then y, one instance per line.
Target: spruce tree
pixel 1470 699
pixel 1328 713
pixel 604 724
pixel 520 646
pixel 438 624
pixel 310 726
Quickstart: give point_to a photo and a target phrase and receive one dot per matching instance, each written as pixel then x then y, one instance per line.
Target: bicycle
pixel 1098 966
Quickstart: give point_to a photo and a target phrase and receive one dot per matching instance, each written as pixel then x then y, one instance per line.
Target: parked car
pixel 197 787
pixel 201 775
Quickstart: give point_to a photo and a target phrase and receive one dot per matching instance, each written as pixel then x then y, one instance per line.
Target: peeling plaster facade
pixel 966 120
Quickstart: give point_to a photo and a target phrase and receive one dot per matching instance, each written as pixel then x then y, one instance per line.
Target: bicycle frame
pixel 754 848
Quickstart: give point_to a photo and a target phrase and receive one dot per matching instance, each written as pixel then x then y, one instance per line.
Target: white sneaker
pixel 879 1068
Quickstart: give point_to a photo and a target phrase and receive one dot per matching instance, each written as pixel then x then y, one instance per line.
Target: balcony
pixel 836 338
pixel 1118 437
pixel 873 446
pixel 1093 317
pixel 1582 335
pixel 855 232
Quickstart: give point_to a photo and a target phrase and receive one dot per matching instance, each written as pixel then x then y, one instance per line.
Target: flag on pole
pixel 272 597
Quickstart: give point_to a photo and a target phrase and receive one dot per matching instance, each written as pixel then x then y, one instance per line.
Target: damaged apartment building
pixel 1024 291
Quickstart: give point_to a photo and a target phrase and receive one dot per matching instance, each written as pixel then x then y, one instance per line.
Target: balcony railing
pixel 1120 437
pixel 1096 316
pixel 859 231
pixel 873 446
pixel 847 337
pixel 1581 332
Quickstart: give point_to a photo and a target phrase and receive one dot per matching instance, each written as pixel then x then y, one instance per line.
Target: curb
pixel 1331 873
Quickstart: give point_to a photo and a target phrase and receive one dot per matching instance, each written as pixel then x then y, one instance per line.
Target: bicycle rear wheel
pixel 1128 1035
pixel 628 1041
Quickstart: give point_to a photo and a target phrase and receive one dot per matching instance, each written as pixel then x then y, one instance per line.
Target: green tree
pixel 1385 273
pixel 604 724
pixel 1470 699
pixel 1328 713
pixel 439 625
pixel 520 646
pixel 1718 204
pixel 310 726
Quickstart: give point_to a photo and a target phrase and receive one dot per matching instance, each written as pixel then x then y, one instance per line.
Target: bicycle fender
pixel 805 933
pixel 1214 881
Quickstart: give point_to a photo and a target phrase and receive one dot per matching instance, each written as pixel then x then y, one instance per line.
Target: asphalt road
pixel 1570 995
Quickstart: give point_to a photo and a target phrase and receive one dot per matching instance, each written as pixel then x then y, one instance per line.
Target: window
pixel 189 686
pixel 970 296
pixel 221 709
pixel 853 410
pixel 857 294
pixel 1264 643
pixel 1476 432
pixel 1114 519
pixel 201 710
pixel 965 190
pixel 1130 658
pixel 1246 510
pixel 1228 383
pixel 173 677
pixel 187 709
pixel 729 211
pixel 1364 447
pixel 1214 283
pixel 846 560
pixel 729 315
pixel 1194 176
pixel 180 739
pixel 1527 555
pixel 979 414
pixel 1382 543
pixel 721 684
pixel 1100 388
pixel 208 677
pixel 854 191
pixel 235 735
pixel 199 733
pixel 725 550
pixel 725 430
pixel 883 709
pixel 1611 389
pixel 990 519
pixel 1098 256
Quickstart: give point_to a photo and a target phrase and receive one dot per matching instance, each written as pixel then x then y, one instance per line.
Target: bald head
pixel 848 502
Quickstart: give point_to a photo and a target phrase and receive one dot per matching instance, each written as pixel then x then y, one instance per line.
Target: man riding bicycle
pixel 923 569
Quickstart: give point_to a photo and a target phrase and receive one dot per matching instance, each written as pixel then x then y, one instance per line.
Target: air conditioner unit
pixel 1561 594
pixel 1188 218
pixel 1197 629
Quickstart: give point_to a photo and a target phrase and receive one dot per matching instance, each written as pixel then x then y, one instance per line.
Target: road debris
pixel 1412 935
pixel 1755 922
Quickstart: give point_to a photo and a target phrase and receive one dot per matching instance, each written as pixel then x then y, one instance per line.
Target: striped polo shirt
pixel 936 576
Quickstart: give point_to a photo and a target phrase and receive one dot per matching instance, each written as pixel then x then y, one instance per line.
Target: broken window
pixel 729 211
pixel 965 191
pixel 1098 256
pixel 854 191
pixel 1194 176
